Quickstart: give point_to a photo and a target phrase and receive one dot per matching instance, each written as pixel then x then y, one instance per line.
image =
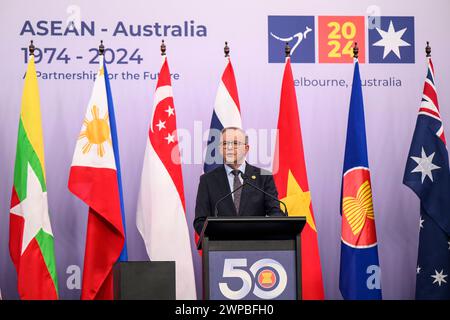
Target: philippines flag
pixel 226 113
pixel 95 179
pixel 360 271
pixel 161 209
pixel 427 174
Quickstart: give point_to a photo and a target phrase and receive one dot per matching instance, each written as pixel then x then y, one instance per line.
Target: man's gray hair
pixel 235 128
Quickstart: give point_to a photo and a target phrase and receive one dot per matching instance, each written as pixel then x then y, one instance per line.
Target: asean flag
pixel 292 185
pixel 359 270
pixel 94 179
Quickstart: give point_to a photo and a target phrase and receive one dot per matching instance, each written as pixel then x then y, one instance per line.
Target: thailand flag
pixel 226 113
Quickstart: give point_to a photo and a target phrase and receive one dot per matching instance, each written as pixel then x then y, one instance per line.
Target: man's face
pixel 233 147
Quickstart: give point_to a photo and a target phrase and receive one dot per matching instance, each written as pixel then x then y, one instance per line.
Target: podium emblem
pixel 267 279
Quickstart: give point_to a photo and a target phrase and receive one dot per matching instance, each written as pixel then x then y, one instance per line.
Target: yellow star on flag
pixel 298 201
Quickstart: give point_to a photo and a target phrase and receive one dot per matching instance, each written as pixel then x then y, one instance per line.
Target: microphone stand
pixel 245 178
pixel 216 211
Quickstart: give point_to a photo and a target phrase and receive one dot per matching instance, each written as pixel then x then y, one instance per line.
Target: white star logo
pixel 33 209
pixel 391 40
pixel 170 111
pixel 439 277
pixel 161 124
pixel 421 222
pixel 170 138
pixel 418 269
pixel 425 165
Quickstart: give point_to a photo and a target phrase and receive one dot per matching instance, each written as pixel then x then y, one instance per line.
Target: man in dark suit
pixel 214 185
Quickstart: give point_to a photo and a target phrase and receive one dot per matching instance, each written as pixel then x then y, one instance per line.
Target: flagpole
pixel 287 50
pixel 355 51
pixel 226 50
pixel 163 48
pixel 101 48
pixel 31 48
pixel 428 50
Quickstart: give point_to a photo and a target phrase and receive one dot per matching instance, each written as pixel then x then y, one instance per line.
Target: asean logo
pixel 358 220
pixel 267 279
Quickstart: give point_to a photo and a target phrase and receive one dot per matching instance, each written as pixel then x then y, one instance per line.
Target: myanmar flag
pixel 30 233
pixel 292 184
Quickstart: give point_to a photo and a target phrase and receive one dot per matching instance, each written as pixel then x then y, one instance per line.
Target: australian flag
pixel 427 174
pixel 360 276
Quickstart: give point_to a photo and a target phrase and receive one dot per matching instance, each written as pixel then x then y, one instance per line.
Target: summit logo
pixel 330 39
pixel 299 31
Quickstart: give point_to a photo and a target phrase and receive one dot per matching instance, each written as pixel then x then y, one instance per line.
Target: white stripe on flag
pixel 161 221
pixel 226 109
pixel 87 148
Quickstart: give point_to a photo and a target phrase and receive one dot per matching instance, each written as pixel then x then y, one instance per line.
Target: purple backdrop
pixel 197 58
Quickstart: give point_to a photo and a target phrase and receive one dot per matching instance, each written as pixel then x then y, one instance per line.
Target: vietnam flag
pixel 292 184
pixel 94 178
pixel 31 243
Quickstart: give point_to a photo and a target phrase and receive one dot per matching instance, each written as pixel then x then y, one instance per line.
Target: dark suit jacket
pixel 214 185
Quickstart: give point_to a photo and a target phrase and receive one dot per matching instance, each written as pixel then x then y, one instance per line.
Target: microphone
pixel 216 211
pixel 246 181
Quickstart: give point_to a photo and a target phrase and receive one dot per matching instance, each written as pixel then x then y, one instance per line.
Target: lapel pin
pixel 254 177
